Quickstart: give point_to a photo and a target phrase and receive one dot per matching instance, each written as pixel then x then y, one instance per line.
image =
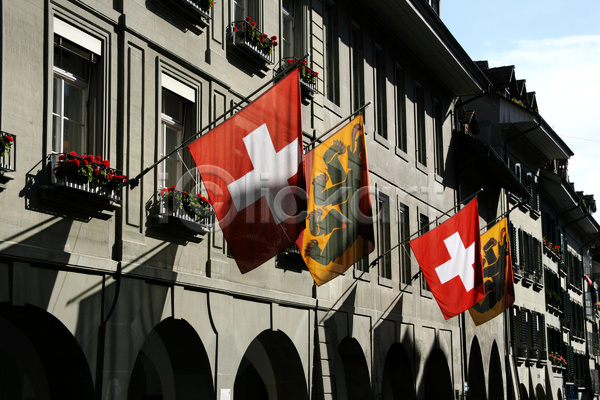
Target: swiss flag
pixel 450 259
pixel 251 165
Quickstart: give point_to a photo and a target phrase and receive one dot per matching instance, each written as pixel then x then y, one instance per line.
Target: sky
pixel 555 46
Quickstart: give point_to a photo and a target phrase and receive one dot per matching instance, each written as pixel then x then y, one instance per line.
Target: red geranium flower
pixel 273 37
pixel 235 28
pixel 248 19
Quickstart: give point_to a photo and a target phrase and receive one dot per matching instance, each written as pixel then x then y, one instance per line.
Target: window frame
pixel 438 129
pixel 69 38
pixel 332 53
pixel 380 79
pixel 405 264
pixel 420 128
pixel 400 98
pixel 384 236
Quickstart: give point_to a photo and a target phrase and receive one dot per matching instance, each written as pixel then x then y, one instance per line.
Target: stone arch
pixel 540 393
pixel 398 380
pixel 523 395
pixel 40 358
pixel 476 377
pixel 172 363
pixel 437 381
pixel 354 384
pixel 495 382
pixel 271 369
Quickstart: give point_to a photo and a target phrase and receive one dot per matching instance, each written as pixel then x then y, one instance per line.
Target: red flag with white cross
pixel 251 167
pixel 450 259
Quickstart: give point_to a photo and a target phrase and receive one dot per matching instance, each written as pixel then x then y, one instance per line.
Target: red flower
pixel 290 61
pixel 61 157
pixel 106 163
pixel 248 19
pixel 72 153
pixel 98 159
pixel 9 139
pixel 303 62
pixel 273 37
pixel 253 23
pixel 274 44
pixel 315 73
pixel 235 28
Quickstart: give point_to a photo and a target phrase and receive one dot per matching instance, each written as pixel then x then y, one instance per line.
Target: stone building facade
pixel 112 293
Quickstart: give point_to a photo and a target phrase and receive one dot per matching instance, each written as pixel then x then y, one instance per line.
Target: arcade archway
pixel 39 357
pixel 172 363
pixel 270 369
pixel 398 381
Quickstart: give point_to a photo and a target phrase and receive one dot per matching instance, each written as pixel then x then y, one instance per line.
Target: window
pixel 385 263
pixel 420 124
pixel 76 124
pixel 404 234
pixel 438 121
pixel 518 171
pixel 291 35
pixel 532 187
pixel 246 8
pixel 357 65
pixel 177 123
pixel 380 99
pixel 401 139
pixel 423 228
pixel 331 54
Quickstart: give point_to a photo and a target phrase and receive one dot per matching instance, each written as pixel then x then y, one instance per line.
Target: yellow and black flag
pixel 497 274
pixel 339 229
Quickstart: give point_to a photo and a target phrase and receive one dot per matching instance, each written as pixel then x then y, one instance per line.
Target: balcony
pixel 182 216
pixel 194 14
pixel 8 157
pixel 8 152
pixel 309 78
pixel 83 183
pixel 251 47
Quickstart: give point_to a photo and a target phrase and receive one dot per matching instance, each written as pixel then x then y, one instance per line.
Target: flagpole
pixel 358 110
pixel 133 182
pixel 415 233
pixel 504 214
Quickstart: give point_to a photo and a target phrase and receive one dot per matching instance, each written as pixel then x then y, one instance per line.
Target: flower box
pixel 87 174
pixel 82 187
pixel 247 37
pixel 8 151
pixel 182 215
pixel 309 78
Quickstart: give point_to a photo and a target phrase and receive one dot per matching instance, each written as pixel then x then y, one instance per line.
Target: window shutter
pixel 521 250
pixel 513 244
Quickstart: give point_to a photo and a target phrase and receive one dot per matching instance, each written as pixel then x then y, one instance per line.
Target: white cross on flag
pixel 250 165
pixel 450 259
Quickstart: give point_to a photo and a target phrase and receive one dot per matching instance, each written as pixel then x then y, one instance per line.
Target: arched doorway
pixel 357 384
pixel 437 381
pixel 496 385
pixel 39 357
pixel 476 375
pixel 270 369
pixel 398 381
pixel 172 363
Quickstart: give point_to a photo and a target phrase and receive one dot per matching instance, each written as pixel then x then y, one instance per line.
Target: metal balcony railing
pixel 87 174
pixel 185 206
pixel 8 152
pixel 249 37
